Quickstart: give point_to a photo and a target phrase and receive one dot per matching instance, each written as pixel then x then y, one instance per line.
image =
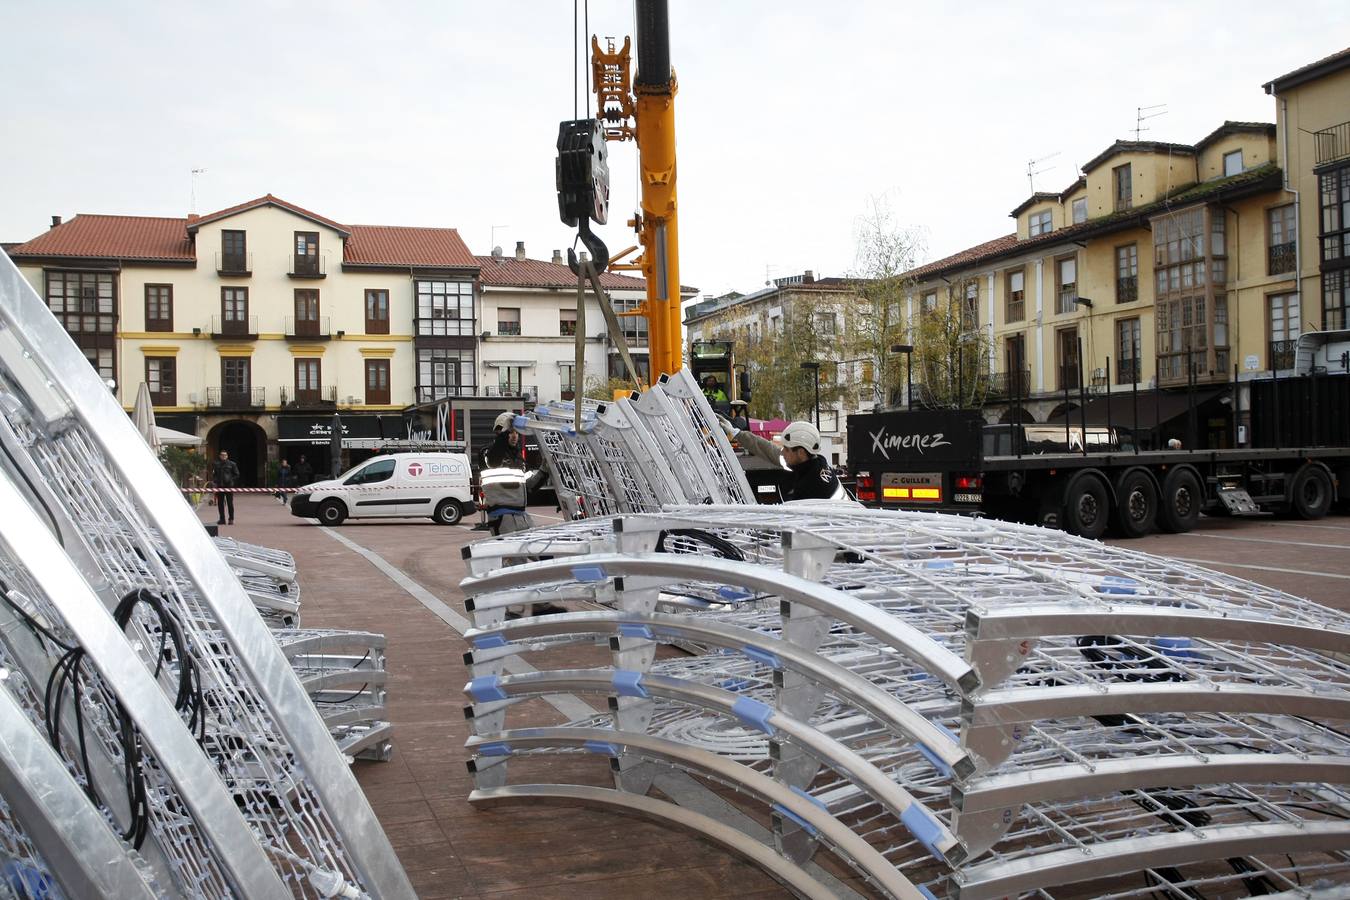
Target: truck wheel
pixel 1181 498
pixel 332 513
pixel 1087 508
pixel 1310 497
pixel 1136 510
pixel 447 513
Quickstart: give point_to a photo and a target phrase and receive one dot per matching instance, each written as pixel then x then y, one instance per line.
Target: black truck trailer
pixel 1085 478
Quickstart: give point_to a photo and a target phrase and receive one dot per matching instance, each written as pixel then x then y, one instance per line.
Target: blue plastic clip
pixel 926 892
pixel 631 630
pixel 753 713
pixel 488 641
pixel 1117 584
pixel 542 411
pixel 588 573
pixel 934 759
pixel 805 796
pixel 727 592
pixel 939 564
pixel 519 423
pixel 924 827
pixel 1177 648
pixel 487 688
pixel 735 685
pixel 603 748
pixel 789 814
pixel 494 748
pixel 628 683
pixel 764 657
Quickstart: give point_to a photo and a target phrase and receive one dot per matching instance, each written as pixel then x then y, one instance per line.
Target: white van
pixel 434 485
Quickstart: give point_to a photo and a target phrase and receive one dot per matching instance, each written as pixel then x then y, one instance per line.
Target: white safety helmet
pixel 804 435
pixel 504 421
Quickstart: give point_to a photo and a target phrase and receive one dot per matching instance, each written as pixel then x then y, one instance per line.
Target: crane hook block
pixel 582 172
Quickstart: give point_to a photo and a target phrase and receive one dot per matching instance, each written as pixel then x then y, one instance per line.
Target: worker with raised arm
pixel 812 477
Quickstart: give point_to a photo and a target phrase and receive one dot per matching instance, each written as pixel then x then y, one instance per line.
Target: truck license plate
pixel 967 498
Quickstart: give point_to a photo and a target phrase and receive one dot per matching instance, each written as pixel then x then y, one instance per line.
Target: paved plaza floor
pixel 401 576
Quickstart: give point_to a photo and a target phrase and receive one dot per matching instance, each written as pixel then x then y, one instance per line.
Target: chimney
pixel 557 257
pixel 520 251
pixel 56 220
pixel 809 277
pixel 192 217
pixel 497 253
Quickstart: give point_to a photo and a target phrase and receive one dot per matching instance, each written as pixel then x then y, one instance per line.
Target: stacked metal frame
pixel 639 453
pixel 955 707
pixel 236 787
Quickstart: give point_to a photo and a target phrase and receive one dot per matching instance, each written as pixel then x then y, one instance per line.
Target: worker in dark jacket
pixel 505 449
pixel 225 474
pixel 812 478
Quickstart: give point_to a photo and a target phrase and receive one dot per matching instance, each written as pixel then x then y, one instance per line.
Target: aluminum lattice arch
pixel 951 706
pixel 242 791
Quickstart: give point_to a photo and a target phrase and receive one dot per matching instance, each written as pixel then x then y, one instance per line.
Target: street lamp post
pixel 814 367
pixel 908 350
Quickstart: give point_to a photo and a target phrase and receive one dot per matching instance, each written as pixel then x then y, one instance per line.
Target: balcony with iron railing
pixel 1016 311
pixel 1282 354
pixel 1280 258
pixel 1127 288
pixel 307 329
pixel 1007 385
pixel 234 264
pixel 1332 143
pixel 1066 301
pixel 527 391
pixel 508 329
pixel 322 397
pixel 234 328
pixel 236 399
pixel 308 266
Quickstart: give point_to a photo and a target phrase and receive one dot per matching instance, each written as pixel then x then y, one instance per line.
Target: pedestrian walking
pixel 285 479
pixel 225 474
pixel 304 472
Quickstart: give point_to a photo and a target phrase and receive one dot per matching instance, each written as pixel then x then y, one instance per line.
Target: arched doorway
pixel 1060 411
pixel 1018 414
pixel 247 445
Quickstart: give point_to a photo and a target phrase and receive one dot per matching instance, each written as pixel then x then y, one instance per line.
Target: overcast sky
pixel 790 117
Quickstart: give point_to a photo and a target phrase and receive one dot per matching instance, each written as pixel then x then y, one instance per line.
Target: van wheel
pixel 1310 497
pixel 1180 507
pixel 1137 509
pixel 1086 508
pixel 332 513
pixel 447 513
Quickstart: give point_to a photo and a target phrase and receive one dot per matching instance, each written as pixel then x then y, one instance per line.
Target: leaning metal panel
pixel 1118 703
pixel 684 391
pixel 125 508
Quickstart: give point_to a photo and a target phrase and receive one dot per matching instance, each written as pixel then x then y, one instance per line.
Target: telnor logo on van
pixel 883 442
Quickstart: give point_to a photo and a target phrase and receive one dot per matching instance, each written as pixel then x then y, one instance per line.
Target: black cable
pixel 67 674
pixel 720 545
pixel 348 698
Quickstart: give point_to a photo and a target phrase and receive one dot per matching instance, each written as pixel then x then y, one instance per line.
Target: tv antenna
pixel 1143 113
pixel 1035 168
pixel 492 242
pixel 195 172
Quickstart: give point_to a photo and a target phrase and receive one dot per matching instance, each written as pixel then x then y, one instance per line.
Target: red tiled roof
pixel 1324 66
pixel 511 272
pixel 266 200
pixel 970 254
pixel 113 237
pixel 399 245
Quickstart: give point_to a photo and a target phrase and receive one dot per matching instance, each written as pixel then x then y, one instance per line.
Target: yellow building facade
pixel 1168 265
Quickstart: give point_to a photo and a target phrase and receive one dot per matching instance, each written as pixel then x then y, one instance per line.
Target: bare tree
pixel 951 350
pixel 875 313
